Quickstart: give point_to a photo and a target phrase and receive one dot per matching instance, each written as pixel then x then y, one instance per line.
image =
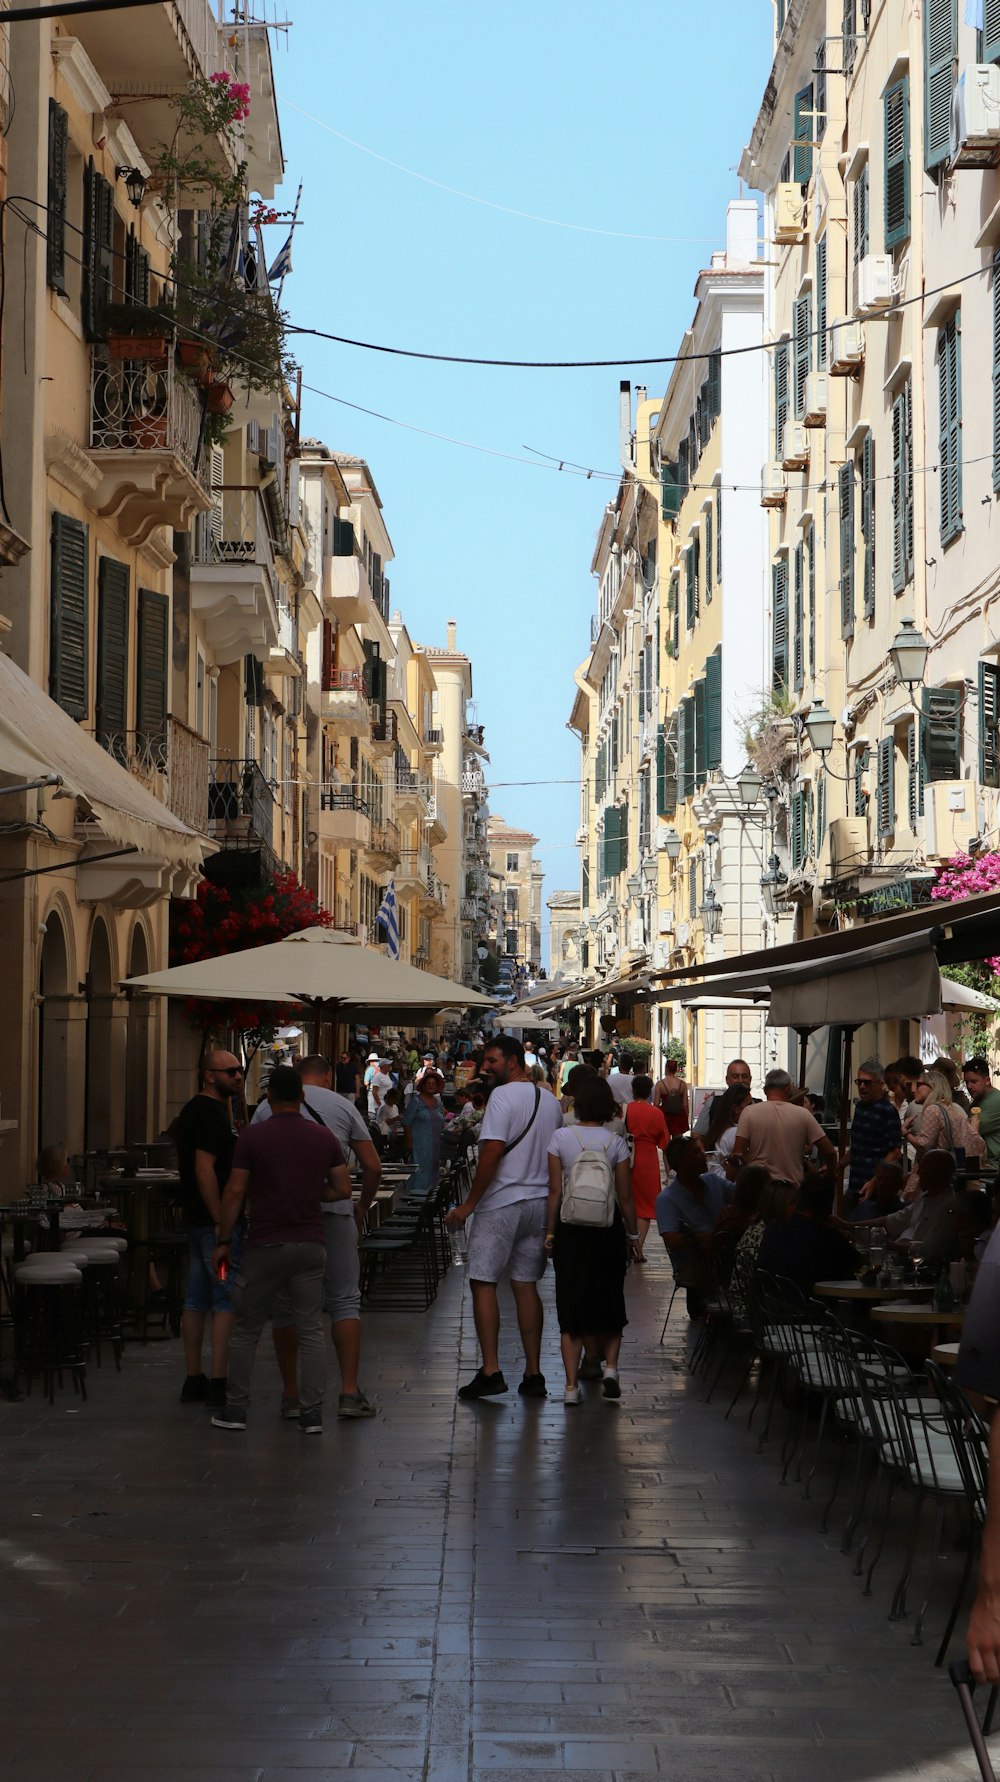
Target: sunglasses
pixel 229 1070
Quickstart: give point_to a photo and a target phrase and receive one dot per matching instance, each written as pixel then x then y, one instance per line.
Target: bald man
pixel 205 1144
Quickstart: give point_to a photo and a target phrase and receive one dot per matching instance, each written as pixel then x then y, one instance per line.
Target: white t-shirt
pixel 530 1060
pixel 383 1083
pixel 567 1144
pixel 523 1174
pixel 337 1112
pixel 620 1084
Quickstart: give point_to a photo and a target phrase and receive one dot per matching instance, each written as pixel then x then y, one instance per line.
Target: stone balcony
pixel 233 581
pixel 344 818
pixel 383 846
pixel 413 796
pixel 345 702
pixel 172 765
pixel 145 428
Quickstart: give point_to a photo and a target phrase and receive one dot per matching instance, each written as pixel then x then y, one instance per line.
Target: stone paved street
pixel 502 1592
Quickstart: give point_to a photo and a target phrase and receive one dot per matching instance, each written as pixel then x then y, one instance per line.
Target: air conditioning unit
pixel 773 488
pixel 847 347
pixel 815 407
pixel 790 217
pixel 951 816
pixel 975 117
pixel 661 955
pixel 795 447
pixel 849 848
pixel 581 836
pixel 874 285
pixel 665 921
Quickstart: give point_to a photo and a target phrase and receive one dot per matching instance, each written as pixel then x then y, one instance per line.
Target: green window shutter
pixel 718 534
pixel 709 557
pixel 849 28
pixel 585 885
pixel 253 681
pixel 690 586
pixel 70 616
pixel 802 154
pixel 55 238
pixel 680 722
pixel 860 215
pixel 862 759
pixel 798 618
pixel 868 525
pixel 136 271
pixel 820 812
pixel 779 624
pixel 670 494
pixel 797 828
pixel 715 386
pixel 669 767
pixel 897 163
pixel 153 664
pixel 780 394
pixel 989 715
pixel 915 775
pixel 811 546
pixel 950 427
pixel 941 733
pixel 845 506
pixel 700 735
pixel 822 339
pixel 902 488
pixel 991 31
pixel 113 582
pixel 623 839
pixel 802 348
pixel 713 710
pixel 683 471
pixel 940 51
pixel 687 718
pixel 885 788
pixel 661 771
pixel 99 281
pixel 343 537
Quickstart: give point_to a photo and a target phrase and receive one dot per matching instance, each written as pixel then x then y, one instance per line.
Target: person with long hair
pixel 649 1131
pixel 942 1126
pixel 721 1134
pixel 671 1097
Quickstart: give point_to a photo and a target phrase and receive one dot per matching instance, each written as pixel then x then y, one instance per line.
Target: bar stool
pixel 48 1334
pixel 102 1299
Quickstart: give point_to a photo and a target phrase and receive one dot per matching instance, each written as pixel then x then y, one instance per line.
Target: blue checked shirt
pixel 875 1130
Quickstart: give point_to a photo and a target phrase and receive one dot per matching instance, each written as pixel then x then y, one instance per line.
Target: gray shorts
pixel 342 1279
pixel 508 1240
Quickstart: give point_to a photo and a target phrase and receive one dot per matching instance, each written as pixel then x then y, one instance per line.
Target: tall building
pixel 564 935
pixel 519 880
pixel 462 857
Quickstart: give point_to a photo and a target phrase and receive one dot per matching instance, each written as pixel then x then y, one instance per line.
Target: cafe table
pixel 854 1290
pixel 136 1191
pixel 921 1318
pixel 945 1354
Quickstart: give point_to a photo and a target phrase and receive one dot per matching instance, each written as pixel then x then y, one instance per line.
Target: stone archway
pixel 54 1072
pixel 137 1038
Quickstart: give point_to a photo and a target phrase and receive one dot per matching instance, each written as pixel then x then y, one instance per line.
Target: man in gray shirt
pixel 737 1071
pixel 341 1221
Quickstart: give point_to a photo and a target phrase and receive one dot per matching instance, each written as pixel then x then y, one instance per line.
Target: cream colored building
pixel 564 935
pixel 519 881
pixel 461 859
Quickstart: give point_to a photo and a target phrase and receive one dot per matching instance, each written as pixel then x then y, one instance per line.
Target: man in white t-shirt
pixel 341 1219
pixel 509 1197
pixel 379 1086
pixel 620 1081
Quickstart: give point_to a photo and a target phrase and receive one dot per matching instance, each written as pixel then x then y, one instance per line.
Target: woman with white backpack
pixel 591 1222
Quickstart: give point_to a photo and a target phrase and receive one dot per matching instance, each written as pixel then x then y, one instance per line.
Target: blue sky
pixel 627 118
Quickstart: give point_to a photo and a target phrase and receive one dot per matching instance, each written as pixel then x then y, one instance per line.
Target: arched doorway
pixel 97 1134
pixel 137 1047
pixel 53 1048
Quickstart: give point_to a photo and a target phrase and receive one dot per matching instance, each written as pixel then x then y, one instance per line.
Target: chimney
pixel 452 633
pixel 625 424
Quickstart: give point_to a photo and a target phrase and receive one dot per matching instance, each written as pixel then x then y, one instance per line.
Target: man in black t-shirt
pixel 205 1145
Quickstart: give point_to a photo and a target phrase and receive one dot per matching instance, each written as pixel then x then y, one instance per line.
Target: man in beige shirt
pixel 778 1135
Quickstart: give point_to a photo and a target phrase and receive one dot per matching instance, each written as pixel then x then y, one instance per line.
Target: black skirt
pixel 590 1278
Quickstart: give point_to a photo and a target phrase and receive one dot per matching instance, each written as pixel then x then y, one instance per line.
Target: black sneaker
pixel 483 1386
pixel 611 1387
pixel 590 1370
pixel 229 1417
pixel 311 1422
pixel 215 1394
pixel 533 1386
pixel 194 1389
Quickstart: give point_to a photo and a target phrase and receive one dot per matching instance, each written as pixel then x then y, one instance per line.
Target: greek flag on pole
pixel 283 264
pixel 389 920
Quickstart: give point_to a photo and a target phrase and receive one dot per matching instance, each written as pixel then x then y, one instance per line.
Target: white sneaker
pixel 571 1396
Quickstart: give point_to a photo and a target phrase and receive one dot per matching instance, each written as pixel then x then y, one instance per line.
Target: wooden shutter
pixel 780 395
pixel 897 163
pixel 670 495
pixel 253 680
pixel 802 155
pixel 687 718
pixel 718 534
pixel 940 50
pixel 136 271
pixel 989 715
pixel 98 281
pixel 666 788
pixel 941 733
pixel 714 386
pixel 622 854
pixel 153 665
pixel 683 471
pixel 113 584
pixel 902 488
pixel 950 429
pixel 868 524
pixel 849 30
pixel 779 624
pixel 862 760
pixel 689 583
pixel 991 31
pixel 713 710
pixel 612 841
pixel 700 735
pixel 915 775
pixel 709 557
pixel 811 548
pixel 820 812
pixel 343 537
pixel 70 616
pixel 845 503
pixel 802 346
pixel 822 341
pixel 798 619
pixel 885 789
pixel 860 215
pixel 797 828
pixel 55 237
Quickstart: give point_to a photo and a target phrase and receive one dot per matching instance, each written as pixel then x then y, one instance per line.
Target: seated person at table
pixel 806 1247
pixel 55 1174
pixel 927 1224
pixel 687 1211
pixel 881 1196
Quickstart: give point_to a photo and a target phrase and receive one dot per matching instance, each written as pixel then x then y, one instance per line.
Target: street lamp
pixel 135 184
pixel 820 726
pixel 711 914
pixel 748 785
pixel 634 884
pixel 650 872
pixel 772 884
pixel 908 653
pixel 672 844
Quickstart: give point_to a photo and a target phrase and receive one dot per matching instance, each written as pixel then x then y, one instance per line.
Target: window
pixel 868 525
pixel 700 735
pixel 713 710
pixel 513 863
pixel 803 137
pixel 510 903
pixel 885 788
pixel 670 492
pixel 709 557
pixel 693 890
pixel 780 395
pixel 112 650
pixel 914 777
pixel 136 270
pixel 850 34
pixel 902 486
pixel 798 618
pixel 55 248
pixel 692 567
pixel 940 51
pixel 820 811
pixel 686 759
pixel 819 103
pixel 860 216
pixel 810 543
pixel 779 625
pixel 152 666
pixel 69 615
pixel 666 768
pixel 802 349
pixel 989 714
pixel 941 733
pixel 950 427
pixel 845 505
pixel 797 830
pixel 897 163
pixel 862 761
pixel 718 534
pixel 98 283
pixel 822 342
pixel 990 47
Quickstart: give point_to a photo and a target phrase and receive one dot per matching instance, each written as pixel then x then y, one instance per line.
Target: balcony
pixel 383 847
pixel 434 741
pixel 433 896
pixel 233 586
pixel 344 817
pixel 385 732
pixel 473 909
pixel 413 872
pixel 346 594
pixel 240 803
pixel 473 785
pixel 413 796
pixel 173 766
pixel 345 702
pixel 145 428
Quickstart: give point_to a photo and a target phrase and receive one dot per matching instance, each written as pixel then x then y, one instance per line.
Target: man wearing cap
pixel 379 1084
pixel 777 1135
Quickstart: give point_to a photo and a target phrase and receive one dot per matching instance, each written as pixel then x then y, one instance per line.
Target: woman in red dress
pixel 671 1097
pixel 647 1128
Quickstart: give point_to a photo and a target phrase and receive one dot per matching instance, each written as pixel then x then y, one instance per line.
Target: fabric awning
pixel 37 737
pixel 635 983
pixel 961 996
pixel 883 980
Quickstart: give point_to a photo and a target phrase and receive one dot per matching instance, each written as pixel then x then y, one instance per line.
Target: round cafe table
pixel 857 1290
pixel 945 1354
pixel 921 1318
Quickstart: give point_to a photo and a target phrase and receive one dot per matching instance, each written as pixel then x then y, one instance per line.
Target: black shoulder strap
pixel 515 1142
pixel 313 1114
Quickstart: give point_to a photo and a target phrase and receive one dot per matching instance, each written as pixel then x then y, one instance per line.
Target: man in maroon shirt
pixel 288 1166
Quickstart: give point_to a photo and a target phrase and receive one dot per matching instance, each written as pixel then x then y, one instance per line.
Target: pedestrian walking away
pixel 342 1221
pixel 205 1144
pixel 288 1166
pixel 590 1258
pixel 671 1097
pixel 649 1130
pixel 510 1190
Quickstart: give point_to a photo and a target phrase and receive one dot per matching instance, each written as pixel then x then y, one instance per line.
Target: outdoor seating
pixel 48 1324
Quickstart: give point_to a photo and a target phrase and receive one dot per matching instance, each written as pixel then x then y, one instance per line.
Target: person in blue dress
pixel 424 1124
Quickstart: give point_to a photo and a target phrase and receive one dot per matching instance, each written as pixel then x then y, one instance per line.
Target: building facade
pixel 564 935
pixel 518 880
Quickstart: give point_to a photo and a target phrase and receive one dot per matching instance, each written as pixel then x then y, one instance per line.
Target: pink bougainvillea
pixel 237 95
pixel 968 875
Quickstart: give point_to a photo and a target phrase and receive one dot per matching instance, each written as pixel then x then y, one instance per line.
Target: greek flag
pixel 283 264
pixel 388 919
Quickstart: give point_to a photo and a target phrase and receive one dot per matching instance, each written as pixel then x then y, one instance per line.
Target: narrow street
pixel 451 1592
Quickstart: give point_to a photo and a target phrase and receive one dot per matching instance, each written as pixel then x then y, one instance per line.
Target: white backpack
pixel 588 1195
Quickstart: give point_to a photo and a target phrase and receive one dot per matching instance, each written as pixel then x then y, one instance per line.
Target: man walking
pixel 737 1071
pixel 777 1134
pixel 205 1145
pixel 288 1166
pixel 509 1197
pixel 620 1080
pixel 341 1223
pixel 986 1098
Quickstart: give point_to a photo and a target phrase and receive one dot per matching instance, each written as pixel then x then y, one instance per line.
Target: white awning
pixel 37 737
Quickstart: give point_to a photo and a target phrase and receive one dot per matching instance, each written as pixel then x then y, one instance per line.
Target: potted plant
pixel 197 357
pixel 219 397
pixel 134 331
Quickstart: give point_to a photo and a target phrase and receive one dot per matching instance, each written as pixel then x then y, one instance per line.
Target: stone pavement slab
pixel 449 1593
